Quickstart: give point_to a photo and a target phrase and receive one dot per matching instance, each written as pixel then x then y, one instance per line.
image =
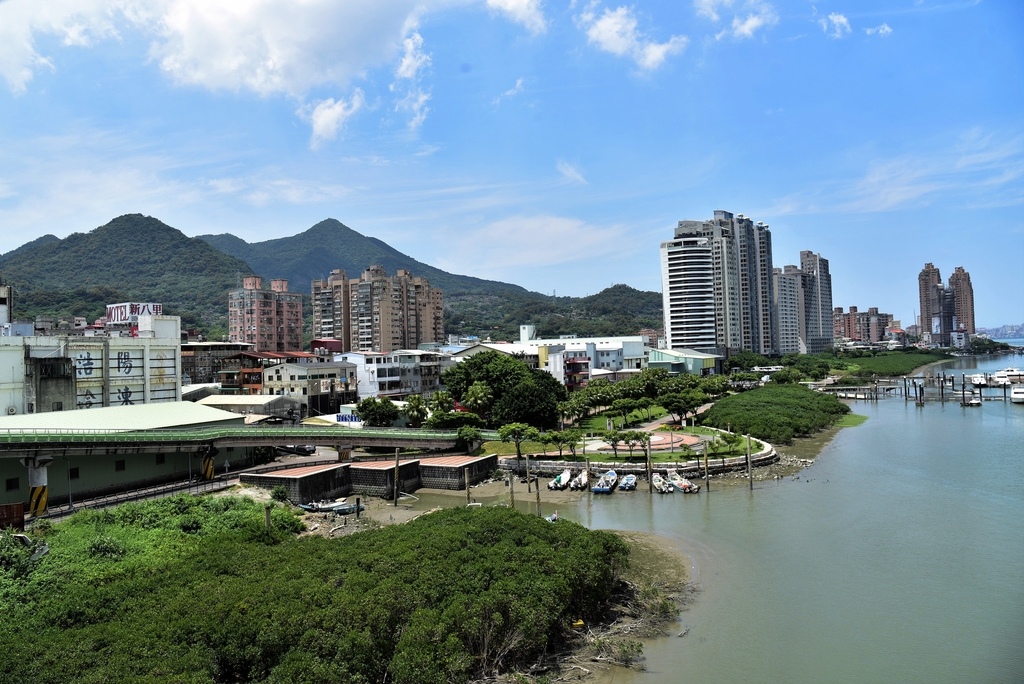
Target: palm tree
pixel 478 398
pixel 415 410
pixel 442 402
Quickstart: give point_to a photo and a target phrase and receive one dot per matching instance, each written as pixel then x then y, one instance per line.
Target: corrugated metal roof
pixel 300 472
pixel 113 418
pixel 380 465
pixel 239 399
pixel 452 461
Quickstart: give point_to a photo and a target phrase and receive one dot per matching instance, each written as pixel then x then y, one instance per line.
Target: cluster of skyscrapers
pixel 373 313
pixel 721 293
pixel 946 310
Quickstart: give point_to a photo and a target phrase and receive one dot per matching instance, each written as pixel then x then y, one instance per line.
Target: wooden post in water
pixel 511 489
pixel 396 478
pixel 707 479
pixel 527 473
pixel 650 484
pixel 750 473
pixel 466 475
pixel 537 490
pixel 357 508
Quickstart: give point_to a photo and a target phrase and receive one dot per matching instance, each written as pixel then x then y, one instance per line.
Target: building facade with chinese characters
pixel 39 374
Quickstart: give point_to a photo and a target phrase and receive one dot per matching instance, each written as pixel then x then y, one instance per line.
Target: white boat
pixel 628 483
pixel 999 379
pixel 979 380
pixel 1014 375
pixel 661 485
pixel 579 483
pixel 971 399
pixel 562 481
pixel 606 485
pixel 682 484
pixel 1017 394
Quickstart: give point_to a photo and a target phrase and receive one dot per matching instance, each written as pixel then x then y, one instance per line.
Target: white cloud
pixel 615 31
pixel 759 15
pixel 505 240
pixel 409 81
pixel 570 172
pixel 835 25
pixel 525 12
pixel 511 92
pixel 978 169
pixel 328 116
pixel 882 30
pixel 710 8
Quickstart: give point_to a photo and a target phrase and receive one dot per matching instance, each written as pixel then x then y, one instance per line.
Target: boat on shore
pixel 562 481
pixel 661 485
pixel 606 484
pixel 1017 394
pixel 579 483
pixel 338 507
pixel 682 484
pixel 628 483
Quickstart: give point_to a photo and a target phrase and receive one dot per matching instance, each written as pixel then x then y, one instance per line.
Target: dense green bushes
pixel 776 413
pixel 456 594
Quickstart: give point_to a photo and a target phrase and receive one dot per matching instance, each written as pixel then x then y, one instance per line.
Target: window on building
pixel 119 465
pixel 73 473
pixel 13 484
pixel 57 406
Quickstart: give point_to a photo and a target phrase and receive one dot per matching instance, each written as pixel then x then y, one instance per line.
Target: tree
pixel 442 402
pixel 468 436
pixel 517 433
pixel 612 437
pixel 682 404
pixel 633 439
pixel 623 407
pixel 528 403
pixel 415 410
pixel 571 438
pixel 478 398
pixel 377 412
pixel 500 372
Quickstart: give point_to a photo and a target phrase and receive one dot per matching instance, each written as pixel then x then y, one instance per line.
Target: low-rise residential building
pixel 684 361
pixel 319 387
pixel 399 373
pixel 201 362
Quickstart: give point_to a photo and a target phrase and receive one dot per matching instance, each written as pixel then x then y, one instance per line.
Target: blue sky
pixel 549 144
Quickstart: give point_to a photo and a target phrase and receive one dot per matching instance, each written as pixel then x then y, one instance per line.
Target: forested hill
pixel 133 258
pixel 139 258
pixel 330 244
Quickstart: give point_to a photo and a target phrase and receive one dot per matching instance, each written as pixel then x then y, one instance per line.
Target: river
pixel 897 557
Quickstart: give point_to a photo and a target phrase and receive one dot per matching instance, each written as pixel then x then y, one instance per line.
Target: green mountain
pixel 133 258
pixel 137 258
pixel 330 244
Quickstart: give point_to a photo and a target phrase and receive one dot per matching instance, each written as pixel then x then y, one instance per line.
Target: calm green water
pixel 897 557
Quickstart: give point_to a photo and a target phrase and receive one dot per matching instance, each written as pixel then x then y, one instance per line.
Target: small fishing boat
pixel 579 483
pixel 682 484
pixel 661 485
pixel 628 483
pixel 338 507
pixel 979 380
pixel 562 481
pixel 606 484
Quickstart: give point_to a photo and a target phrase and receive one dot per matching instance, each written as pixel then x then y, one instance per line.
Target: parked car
pixel 300 449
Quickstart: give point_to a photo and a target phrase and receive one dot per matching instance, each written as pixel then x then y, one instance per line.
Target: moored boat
pixel 606 484
pixel 979 380
pixel 562 481
pixel 1014 375
pixel 580 481
pixel 1017 394
pixel 661 485
pixel 628 483
pixel 682 484
pixel 338 507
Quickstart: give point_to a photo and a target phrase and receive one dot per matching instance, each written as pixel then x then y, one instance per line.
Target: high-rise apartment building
pixel 926 280
pixel 963 299
pixel 717 287
pixel 331 308
pixel 788 291
pixel 270 320
pixel 393 312
pixel 803 304
pixel 817 286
